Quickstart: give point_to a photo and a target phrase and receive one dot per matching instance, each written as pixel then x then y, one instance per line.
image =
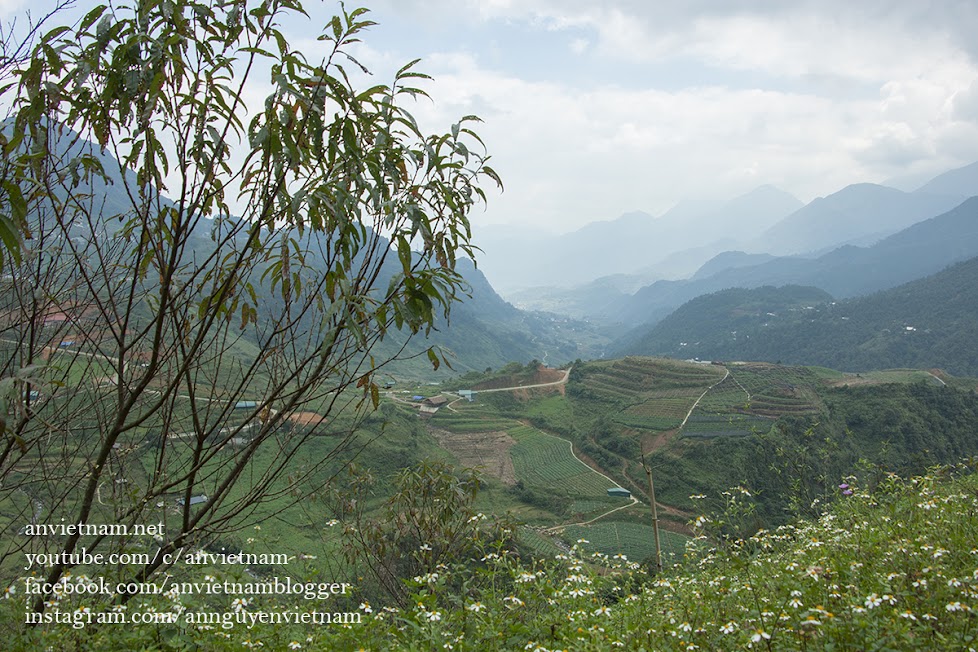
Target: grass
pixel 634 540
pixel 660 390
pixel 892 568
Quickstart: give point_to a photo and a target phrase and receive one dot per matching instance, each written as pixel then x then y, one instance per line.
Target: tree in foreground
pixel 15 46
pixel 154 342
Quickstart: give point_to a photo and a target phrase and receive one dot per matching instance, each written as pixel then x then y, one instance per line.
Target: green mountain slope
pixel 923 324
pixel 484 330
pixel 788 434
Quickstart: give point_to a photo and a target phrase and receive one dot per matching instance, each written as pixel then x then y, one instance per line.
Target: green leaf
pixel 91 17
pixel 404 254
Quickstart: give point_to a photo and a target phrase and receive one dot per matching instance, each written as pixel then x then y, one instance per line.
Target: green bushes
pixel 893 569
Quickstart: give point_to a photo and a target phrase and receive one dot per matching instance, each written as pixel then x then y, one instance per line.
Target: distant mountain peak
pixel 960 182
pixel 769 189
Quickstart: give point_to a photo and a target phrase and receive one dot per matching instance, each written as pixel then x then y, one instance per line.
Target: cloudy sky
pixel 593 108
pixel 596 108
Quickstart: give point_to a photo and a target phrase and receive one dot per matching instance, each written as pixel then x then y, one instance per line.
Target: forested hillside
pixel 923 324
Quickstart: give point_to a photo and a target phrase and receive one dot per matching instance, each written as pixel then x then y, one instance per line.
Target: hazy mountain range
pixel 613 272
pixel 638 268
pixel 858 214
pixel 922 249
pixel 636 244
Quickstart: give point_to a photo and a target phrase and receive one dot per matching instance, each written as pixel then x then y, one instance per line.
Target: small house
pixel 432 404
pixel 619 492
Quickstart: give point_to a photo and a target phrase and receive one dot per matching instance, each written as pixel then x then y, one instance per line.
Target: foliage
pixel 888 569
pixel 132 144
pixel 15 46
pixel 429 528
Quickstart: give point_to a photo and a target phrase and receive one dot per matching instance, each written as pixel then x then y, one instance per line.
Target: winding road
pixel 563 381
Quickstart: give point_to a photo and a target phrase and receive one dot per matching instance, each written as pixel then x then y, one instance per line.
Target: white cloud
pixel 579 45
pixel 965 103
pixel 10 7
pixel 699 99
pixel 571 155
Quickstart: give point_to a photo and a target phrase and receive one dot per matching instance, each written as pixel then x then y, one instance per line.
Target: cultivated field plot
pixel 664 372
pixel 634 540
pixel 751 397
pixel 651 423
pixel 546 462
pixel 725 425
pixel 663 410
pixel 632 381
pixel 542 462
pixel 486 451
pixel 471 418
pixel 587 506
pixel 725 397
pixel 901 376
pixel 777 390
pixel 541 544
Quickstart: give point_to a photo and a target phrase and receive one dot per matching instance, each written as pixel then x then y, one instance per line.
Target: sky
pixel 595 108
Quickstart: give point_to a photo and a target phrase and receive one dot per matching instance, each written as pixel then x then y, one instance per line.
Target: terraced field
pixel 662 410
pixel 751 398
pixel 546 461
pixel 727 396
pixel 724 425
pixel 469 423
pixel 634 540
pixel 652 394
pixel 541 544
pixel 656 395
pixel 630 380
pixel 471 417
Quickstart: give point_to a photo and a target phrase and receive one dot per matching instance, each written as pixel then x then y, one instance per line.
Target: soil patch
pixel 539 377
pixel 486 451
pixel 306 418
pixel 651 443
pixel 547 375
pixel 854 380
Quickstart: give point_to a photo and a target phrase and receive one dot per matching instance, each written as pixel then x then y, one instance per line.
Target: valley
pixel 708 382
pixel 279 348
pixel 553 449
